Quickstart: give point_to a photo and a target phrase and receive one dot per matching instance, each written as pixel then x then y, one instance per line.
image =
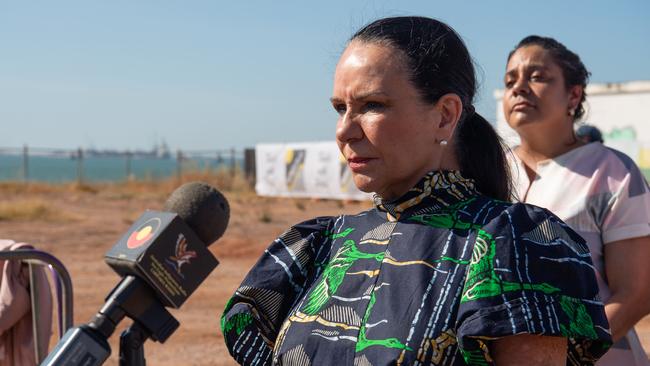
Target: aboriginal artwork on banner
pixel 295 166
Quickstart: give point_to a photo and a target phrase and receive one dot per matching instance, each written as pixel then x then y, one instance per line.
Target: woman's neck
pixel 538 147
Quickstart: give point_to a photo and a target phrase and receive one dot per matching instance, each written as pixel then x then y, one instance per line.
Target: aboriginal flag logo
pixel 143 233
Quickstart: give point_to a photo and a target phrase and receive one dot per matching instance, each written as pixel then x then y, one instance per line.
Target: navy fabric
pixel 429 279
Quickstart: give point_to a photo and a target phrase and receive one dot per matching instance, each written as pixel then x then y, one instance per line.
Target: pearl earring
pixel 572 112
pixel 443 142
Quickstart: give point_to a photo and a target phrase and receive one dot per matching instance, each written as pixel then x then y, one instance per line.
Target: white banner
pixel 314 169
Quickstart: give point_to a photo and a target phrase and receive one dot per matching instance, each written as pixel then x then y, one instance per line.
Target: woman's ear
pixel 450 108
pixel 575 95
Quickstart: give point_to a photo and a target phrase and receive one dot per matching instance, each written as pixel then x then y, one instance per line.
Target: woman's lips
pixel 357 164
pixel 522 106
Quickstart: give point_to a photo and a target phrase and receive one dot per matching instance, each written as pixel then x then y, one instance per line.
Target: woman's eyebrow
pixel 361 96
pixel 366 95
pixel 533 67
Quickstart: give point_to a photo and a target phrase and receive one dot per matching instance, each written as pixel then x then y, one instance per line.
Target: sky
pixel 210 75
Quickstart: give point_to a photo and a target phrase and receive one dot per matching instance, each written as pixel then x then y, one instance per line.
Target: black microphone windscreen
pixel 202 207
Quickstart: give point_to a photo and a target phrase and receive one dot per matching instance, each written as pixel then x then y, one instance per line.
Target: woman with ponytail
pixel 443 270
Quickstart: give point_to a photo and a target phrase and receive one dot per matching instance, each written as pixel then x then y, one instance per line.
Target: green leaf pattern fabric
pixel 428 279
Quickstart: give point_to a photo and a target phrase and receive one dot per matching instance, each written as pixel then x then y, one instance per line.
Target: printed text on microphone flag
pixel 164 278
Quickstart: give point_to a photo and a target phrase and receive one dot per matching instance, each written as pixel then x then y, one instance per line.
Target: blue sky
pixel 125 74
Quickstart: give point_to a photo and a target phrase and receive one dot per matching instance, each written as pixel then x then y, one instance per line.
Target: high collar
pixel 436 190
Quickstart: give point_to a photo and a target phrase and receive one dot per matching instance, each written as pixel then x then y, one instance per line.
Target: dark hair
pixel 439 63
pixel 590 133
pixel 573 70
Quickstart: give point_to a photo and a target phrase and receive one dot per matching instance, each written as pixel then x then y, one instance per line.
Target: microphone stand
pixel 132 345
pixel 87 344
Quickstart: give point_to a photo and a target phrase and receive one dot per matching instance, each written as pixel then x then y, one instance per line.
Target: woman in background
pixel 598 191
pixel 443 270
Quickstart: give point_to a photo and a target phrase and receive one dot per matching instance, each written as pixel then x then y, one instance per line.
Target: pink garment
pixel 16 332
pixel 603 196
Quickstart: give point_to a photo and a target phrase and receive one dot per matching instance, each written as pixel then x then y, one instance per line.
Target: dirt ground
pixel 80 224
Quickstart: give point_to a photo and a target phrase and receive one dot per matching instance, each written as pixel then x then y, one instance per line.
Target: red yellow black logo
pixel 143 233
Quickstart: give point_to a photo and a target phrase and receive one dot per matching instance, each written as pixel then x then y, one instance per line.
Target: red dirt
pixel 94 221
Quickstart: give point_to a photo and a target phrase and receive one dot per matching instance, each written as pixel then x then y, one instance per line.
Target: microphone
pixel 163 258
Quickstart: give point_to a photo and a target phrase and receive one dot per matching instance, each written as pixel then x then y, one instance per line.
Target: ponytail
pixel 481 155
pixel 439 63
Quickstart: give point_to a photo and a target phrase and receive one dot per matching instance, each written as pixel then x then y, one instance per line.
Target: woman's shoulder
pixel 329 224
pixel 526 259
pixel 519 220
pixel 315 223
pixel 607 154
pixel 621 161
pixel 588 158
pixel 612 168
pixel 499 210
pixel 532 239
pixel 526 214
pixel 598 157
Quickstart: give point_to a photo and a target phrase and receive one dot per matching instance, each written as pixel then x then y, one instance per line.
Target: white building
pixel 620 110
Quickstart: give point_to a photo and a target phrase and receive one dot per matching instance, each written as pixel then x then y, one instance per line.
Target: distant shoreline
pixel 103 168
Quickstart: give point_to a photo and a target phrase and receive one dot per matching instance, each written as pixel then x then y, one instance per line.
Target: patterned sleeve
pixel 530 273
pixel 252 318
pixel 628 210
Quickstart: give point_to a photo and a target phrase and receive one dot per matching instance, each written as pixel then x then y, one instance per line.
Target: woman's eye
pixel 536 77
pixel 509 83
pixel 340 108
pixel 373 106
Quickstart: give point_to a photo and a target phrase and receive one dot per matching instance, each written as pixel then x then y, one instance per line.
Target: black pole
pixel 132 346
pixel 80 166
pixel 25 163
pixel 220 161
pixel 128 166
pixel 179 165
pixel 233 165
pixel 249 166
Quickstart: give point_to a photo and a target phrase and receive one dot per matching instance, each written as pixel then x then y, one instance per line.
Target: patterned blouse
pixel 427 279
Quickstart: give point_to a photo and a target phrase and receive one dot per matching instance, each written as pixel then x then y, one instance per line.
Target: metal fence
pixel 89 165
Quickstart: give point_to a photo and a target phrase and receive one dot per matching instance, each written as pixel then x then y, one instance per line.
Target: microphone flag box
pixel 162 249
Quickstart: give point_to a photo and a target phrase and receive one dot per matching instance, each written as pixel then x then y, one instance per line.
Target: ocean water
pixel 108 169
pixel 97 169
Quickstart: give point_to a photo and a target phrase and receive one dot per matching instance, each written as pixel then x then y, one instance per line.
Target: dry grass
pixel 36 188
pixel 10 188
pixel 300 204
pixel 221 179
pixel 266 216
pixel 33 210
pixel 236 187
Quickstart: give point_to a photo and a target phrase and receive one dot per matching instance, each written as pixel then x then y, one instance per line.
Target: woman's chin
pixel 524 119
pixel 364 183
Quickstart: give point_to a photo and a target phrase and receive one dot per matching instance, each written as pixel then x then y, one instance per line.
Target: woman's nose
pixel 348 128
pixel 521 86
